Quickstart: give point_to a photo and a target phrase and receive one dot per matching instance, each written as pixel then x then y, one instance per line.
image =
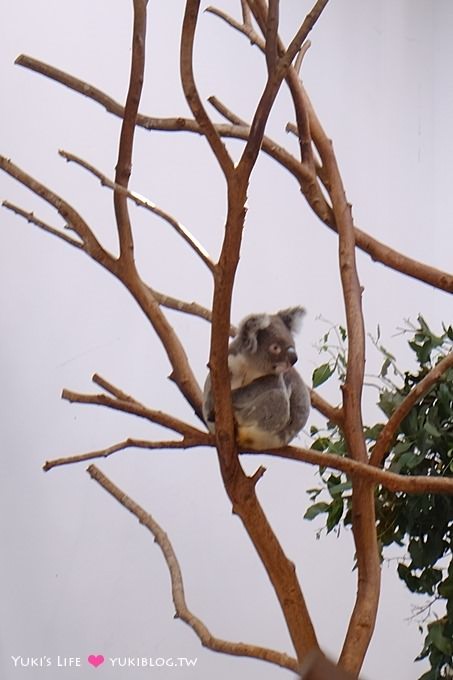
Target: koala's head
pixel 267 340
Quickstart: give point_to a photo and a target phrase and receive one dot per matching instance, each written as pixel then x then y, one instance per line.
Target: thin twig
pixel 74 221
pixel 192 308
pixel 226 112
pixel 246 28
pixel 302 52
pixel 112 389
pixel 144 203
pixel 389 431
pixel 30 217
pixel 177 587
pixel 307 25
pixel 135 408
pixel 129 443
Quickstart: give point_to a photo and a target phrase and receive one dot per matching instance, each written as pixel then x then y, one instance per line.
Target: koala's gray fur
pixel 270 400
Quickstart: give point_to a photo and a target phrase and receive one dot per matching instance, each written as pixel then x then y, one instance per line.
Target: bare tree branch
pixel 135 408
pixel 363 618
pixel 143 202
pixel 352 292
pixel 124 164
pixel 389 431
pixel 30 217
pixel 307 25
pixel 410 484
pixel 246 28
pixel 416 484
pixel 362 622
pixel 302 52
pixel 191 92
pixel 364 614
pixel 378 251
pixel 225 112
pixel 74 221
pixel 241 488
pixel 192 308
pixel 184 443
pixel 318 667
pixel 246 14
pixel 271 89
pixel 177 587
pixel 272 35
pixel 309 184
pixel 112 389
pixel 182 373
pixel 333 413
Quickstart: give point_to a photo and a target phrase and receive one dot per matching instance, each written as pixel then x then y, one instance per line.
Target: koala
pixel 271 402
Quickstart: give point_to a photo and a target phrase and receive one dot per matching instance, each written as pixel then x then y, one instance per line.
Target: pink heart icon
pixel 96 660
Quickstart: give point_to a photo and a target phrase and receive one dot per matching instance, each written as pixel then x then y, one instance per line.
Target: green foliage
pixel 421 525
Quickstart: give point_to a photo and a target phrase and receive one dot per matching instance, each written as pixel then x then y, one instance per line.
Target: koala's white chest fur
pixel 240 371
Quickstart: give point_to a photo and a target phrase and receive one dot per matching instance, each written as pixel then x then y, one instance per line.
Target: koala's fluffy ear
pixel 248 330
pixel 292 318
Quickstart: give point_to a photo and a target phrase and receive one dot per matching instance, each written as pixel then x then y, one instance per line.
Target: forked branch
pixel 274 81
pixel 73 219
pixel 177 586
pixel 410 484
pixel 241 489
pixel 182 373
pixel 143 202
pixel 121 402
pixel 379 252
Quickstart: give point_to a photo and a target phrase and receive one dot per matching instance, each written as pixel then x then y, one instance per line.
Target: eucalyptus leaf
pixel 321 374
pixel 315 510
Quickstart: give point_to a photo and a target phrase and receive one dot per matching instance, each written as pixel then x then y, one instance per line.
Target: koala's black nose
pixel 292 355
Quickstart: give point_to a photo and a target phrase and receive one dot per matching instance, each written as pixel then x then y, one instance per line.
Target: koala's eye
pixel 275 348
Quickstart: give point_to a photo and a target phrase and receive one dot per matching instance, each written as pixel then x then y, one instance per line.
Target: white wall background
pixel 79 574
